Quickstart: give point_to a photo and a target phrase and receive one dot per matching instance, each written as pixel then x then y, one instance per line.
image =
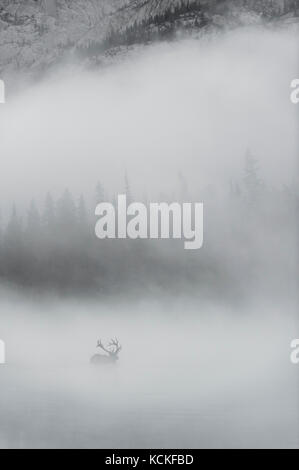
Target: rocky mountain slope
pixel 37 33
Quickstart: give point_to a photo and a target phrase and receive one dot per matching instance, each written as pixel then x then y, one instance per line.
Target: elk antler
pixel 115 343
pixel 100 345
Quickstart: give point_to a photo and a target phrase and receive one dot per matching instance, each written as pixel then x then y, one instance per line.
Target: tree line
pixel 247 229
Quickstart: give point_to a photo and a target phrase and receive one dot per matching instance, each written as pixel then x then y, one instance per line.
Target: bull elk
pixel 111 351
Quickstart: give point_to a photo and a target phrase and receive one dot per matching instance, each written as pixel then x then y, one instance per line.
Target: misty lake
pixel 181 382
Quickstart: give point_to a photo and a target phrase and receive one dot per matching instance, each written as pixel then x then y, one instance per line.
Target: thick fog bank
pixel 194 106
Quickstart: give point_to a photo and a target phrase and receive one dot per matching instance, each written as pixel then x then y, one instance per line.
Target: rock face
pixel 139 21
pixel 36 33
pixel 49 7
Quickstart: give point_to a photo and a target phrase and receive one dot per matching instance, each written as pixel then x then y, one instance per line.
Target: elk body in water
pixel 111 356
